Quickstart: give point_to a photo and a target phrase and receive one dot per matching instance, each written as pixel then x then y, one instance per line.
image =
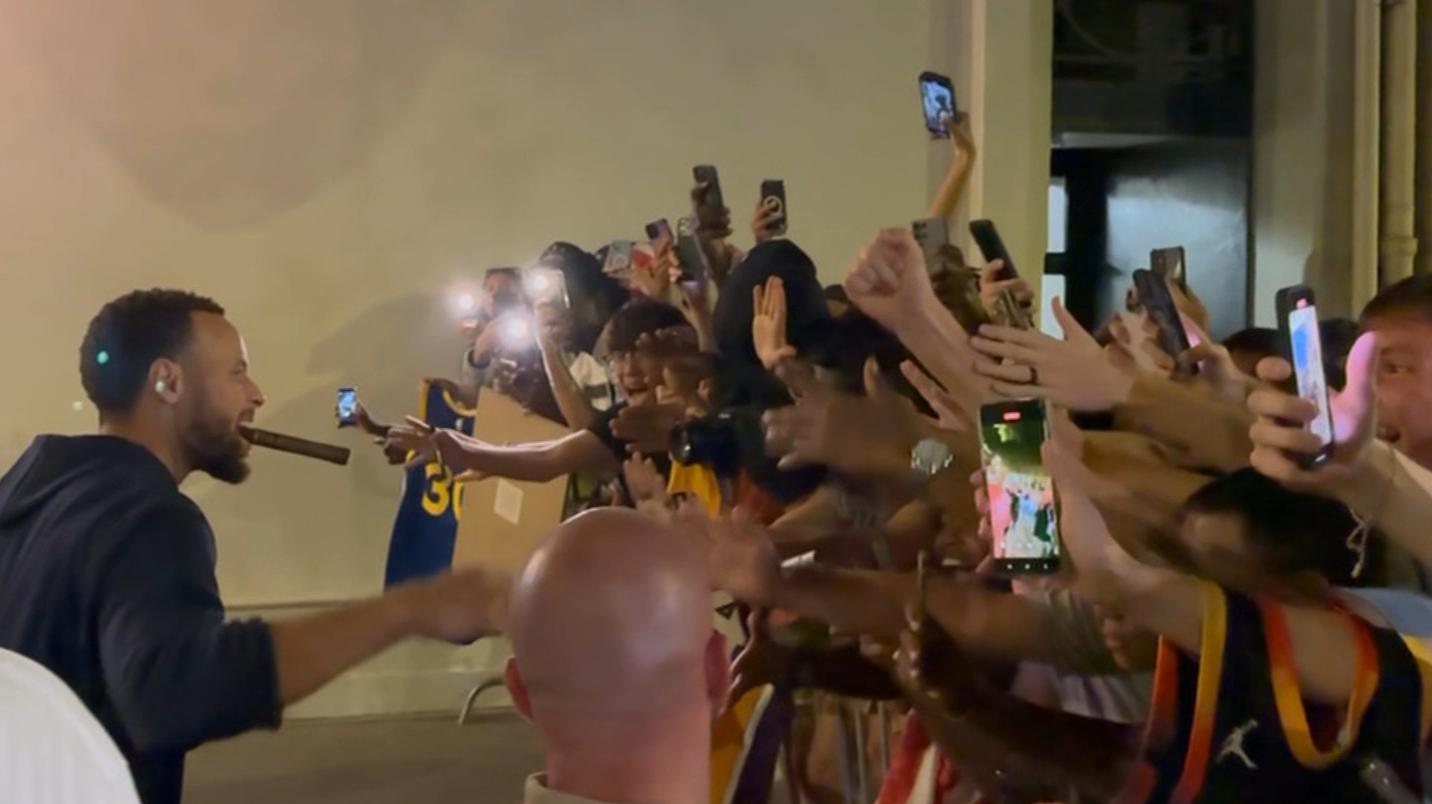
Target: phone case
pixel 707 174
pixel 1154 294
pixel 776 188
pixel 992 247
pixel 688 251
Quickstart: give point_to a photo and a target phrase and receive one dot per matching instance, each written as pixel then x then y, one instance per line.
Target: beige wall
pixel 1303 154
pixel 326 169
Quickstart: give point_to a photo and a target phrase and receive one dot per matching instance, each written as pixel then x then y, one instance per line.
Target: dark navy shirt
pixel 107 579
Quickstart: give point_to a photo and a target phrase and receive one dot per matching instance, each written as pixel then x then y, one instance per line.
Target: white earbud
pixel 159 387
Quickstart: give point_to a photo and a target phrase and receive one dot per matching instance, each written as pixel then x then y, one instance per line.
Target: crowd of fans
pixel 966 560
pixel 1226 619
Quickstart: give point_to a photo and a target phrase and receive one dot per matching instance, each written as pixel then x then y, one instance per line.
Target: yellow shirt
pixel 696 481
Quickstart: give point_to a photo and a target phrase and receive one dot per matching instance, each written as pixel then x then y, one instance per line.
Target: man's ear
pixel 166 379
pixel 718 671
pixel 513 677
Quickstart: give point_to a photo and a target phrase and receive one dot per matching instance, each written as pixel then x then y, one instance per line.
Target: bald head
pixel 612 614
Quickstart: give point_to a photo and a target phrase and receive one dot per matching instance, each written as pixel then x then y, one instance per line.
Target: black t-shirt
pixel 107 579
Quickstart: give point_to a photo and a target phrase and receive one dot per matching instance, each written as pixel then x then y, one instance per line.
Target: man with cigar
pixel 107 569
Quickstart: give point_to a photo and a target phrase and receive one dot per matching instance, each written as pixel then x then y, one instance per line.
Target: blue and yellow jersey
pixel 425 527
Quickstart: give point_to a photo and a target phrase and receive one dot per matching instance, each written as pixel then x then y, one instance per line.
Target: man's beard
pixel 215 448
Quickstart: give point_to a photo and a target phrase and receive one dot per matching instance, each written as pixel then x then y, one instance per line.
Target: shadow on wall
pixel 232 113
pixel 385 352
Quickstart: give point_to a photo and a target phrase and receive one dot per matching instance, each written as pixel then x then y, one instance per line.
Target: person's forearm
pixel 1205 431
pixel 938 341
pixel 999 740
pixel 987 623
pixel 1394 494
pixel 311 651
pixel 1163 602
pixel 1145 487
pixel 853 601
pixel 537 462
pixel 948 196
pixel 571 400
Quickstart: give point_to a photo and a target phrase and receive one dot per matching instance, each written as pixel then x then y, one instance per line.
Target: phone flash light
pixel 539 284
pixel 466 301
pixel 1011 416
pixel 516 330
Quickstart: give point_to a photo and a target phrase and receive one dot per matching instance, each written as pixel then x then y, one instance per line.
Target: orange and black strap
pixel 1205 702
pixel 1423 658
pixel 1163 719
pixel 1287 692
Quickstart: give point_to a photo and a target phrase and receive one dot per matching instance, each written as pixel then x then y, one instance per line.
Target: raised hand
pixel 741 559
pixel 651 269
pixel 1280 433
pixel 992 288
pixel 1074 373
pixel 648 426
pixel 769 220
pixel 869 435
pixel 762 661
pixel 1216 369
pixel 889 281
pixel 713 222
pixel 768 324
pixel 646 484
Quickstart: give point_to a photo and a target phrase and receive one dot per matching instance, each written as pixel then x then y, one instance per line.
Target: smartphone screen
pixel 1023 513
pixel 347 409
pixel 1305 350
pixel 773 196
pixel 707 174
pixel 937 98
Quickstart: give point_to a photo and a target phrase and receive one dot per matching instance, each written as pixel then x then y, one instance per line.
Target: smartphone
pixel 618 262
pixel 1303 347
pixel 707 174
pixel 992 247
pixel 659 233
pixel 347 408
pixel 1023 510
pixel 937 98
pixel 688 251
pixel 545 286
pixel 932 234
pixel 1158 303
pixel 1168 263
pixel 773 193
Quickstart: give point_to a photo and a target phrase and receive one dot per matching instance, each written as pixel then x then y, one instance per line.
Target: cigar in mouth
pixel 295 445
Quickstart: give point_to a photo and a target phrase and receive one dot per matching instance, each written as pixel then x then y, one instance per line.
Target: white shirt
pixel 52 750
